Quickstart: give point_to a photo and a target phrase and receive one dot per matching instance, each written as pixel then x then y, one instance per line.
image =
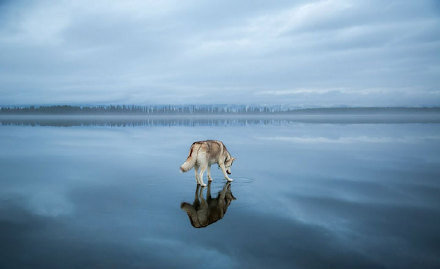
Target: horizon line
pixel 216 104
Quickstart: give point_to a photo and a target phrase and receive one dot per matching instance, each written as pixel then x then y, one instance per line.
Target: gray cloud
pixel 329 52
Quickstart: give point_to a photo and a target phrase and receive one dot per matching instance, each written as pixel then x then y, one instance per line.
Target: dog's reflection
pixel 205 212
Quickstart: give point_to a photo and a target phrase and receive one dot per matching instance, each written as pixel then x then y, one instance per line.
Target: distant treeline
pixel 199 109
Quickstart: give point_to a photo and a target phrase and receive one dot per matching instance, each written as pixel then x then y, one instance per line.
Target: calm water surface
pixel 308 195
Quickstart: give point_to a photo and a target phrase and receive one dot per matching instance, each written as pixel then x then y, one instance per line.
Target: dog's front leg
pixel 222 166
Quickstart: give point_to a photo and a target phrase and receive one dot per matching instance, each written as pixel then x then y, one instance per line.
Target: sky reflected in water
pixel 308 195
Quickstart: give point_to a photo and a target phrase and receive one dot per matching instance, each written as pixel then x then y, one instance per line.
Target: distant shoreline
pixel 203 110
pixel 156 117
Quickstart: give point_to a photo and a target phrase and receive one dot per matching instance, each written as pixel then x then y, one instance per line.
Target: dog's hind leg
pixel 196 197
pixel 202 170
pixel 196 171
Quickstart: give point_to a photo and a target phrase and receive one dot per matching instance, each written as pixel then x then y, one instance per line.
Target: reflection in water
pixel 92 198
pixel 213 120
pixel 205 212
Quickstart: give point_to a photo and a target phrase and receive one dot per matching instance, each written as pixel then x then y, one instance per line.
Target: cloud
pixel 221 52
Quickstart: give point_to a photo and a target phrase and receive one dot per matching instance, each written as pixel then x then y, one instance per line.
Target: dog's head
pixel 228 164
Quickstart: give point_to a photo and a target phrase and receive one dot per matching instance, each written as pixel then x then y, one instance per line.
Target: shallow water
pixel 308 195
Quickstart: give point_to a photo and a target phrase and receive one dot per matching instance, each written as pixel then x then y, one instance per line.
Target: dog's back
pixel 202 152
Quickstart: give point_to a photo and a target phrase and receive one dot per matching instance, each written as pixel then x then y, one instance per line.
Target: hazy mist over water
pixel 309 195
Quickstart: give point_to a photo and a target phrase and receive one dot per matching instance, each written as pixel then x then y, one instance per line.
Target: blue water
pixel 308 195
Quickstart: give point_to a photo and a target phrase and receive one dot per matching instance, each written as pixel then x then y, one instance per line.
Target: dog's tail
pixel 191 160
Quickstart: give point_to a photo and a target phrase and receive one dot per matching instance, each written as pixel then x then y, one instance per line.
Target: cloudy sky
pixel 305 53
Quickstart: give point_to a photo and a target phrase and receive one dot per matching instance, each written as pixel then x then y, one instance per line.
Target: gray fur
pixel 203 154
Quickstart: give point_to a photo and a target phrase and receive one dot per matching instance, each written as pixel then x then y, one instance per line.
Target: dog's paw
pixel 203 185
pixel 229 179
pixel 209 179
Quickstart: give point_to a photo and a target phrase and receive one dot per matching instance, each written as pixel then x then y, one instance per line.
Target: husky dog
pixel 204 153
pixel 205 212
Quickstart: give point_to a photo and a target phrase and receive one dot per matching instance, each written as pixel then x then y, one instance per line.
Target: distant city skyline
pixel 324 53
